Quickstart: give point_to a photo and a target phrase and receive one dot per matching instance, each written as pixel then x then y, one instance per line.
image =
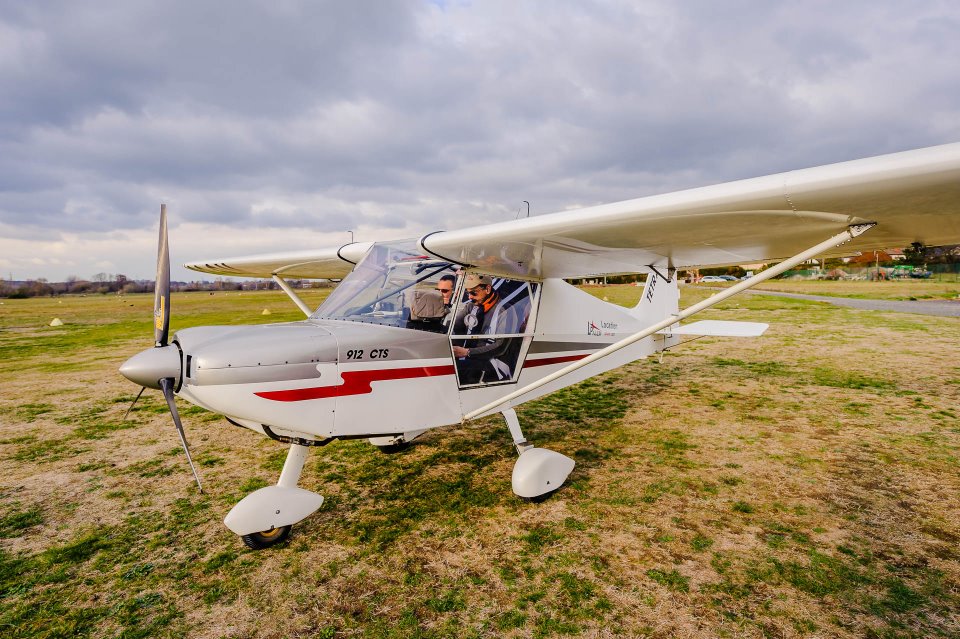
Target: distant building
pixel 872 257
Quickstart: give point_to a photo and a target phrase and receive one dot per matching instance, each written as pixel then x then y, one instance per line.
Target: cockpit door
pixel 492 329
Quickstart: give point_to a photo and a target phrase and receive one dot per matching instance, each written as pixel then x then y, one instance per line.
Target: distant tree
pixel 942 254
pixel 39 288
pixel 916 254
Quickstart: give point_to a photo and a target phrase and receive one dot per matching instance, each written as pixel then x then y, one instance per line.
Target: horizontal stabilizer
pixel 718 328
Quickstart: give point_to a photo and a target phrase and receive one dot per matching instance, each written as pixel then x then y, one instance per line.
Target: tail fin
pixel 661 298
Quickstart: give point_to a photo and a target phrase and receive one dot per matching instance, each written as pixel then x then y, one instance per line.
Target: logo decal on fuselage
pixel 601 328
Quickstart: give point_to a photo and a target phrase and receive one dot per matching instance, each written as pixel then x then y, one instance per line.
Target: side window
pixel 428 303
pixel 492 329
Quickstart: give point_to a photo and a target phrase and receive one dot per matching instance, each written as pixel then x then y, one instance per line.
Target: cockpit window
pixel 393 285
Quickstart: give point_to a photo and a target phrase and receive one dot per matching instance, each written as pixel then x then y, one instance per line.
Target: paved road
pixel 943 308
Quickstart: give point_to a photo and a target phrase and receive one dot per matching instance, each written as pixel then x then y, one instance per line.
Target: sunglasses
pixel 445 290
pixel 476 290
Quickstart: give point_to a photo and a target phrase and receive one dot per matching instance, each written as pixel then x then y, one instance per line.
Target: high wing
pixel 912 196
pixel 327 263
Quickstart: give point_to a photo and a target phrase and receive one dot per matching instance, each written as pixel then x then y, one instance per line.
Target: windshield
pixel 395 285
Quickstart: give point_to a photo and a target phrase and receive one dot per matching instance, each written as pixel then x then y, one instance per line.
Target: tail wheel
pixel 267 538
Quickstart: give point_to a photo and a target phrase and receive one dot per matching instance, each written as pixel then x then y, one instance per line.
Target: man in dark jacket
pixel 482 360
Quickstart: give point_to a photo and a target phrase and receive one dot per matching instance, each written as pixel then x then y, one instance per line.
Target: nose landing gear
pixel 264 517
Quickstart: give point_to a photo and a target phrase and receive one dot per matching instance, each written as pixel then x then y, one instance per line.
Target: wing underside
pixel 328 263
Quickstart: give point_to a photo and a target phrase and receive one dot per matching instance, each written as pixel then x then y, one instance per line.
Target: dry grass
pixel 803 484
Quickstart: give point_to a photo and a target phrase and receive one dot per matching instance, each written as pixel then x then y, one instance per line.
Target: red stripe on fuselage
pixel 355 383
pixel 546 361
pixel 358 382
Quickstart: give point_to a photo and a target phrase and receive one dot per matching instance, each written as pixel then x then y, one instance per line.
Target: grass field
pixel 803 484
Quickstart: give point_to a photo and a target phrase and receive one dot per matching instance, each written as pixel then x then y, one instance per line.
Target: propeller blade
pixel 161 291
pixel 135 399
pixel 166 384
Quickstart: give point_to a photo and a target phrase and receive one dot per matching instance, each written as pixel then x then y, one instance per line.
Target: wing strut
pixel 290 292
pixel 848 234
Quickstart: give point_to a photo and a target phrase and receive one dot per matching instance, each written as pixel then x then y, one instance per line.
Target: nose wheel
pixel 267 538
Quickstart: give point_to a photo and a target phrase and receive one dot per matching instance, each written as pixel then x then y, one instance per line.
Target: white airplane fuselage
pixel 325 378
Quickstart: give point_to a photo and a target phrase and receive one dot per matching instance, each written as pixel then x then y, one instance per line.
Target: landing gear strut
pixel 538 471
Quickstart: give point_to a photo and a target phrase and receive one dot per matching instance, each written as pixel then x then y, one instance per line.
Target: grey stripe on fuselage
pixel 253 374
pixel 538 348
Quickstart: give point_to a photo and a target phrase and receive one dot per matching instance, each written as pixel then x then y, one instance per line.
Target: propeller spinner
pixel 159 367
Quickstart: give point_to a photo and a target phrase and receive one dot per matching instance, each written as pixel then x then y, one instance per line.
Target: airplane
pixel 480 320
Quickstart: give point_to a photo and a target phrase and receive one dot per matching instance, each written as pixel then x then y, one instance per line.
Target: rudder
pixel 660 298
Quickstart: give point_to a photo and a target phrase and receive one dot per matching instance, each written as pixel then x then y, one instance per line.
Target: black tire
pixel 267 538
pixel 539 499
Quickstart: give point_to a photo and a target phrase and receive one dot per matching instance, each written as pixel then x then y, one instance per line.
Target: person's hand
pixel 460 351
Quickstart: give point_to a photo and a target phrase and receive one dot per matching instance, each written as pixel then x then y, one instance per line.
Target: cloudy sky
pixel 282 125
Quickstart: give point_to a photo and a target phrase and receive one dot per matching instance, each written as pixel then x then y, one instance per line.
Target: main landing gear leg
pixel 264 517
pixel 538 472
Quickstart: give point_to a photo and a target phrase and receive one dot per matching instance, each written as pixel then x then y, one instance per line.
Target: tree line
pixel 106 283
pixel 119 284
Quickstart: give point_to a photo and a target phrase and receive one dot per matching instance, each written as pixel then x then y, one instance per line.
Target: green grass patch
pixel 591 401
pixel 30 412
pixel 742 507
pixel 671 579
pixel 850 379
pixel 757 369
pixel 16 521
pixel 700 542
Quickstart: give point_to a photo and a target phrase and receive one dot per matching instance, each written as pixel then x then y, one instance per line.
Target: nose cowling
pixel 148 367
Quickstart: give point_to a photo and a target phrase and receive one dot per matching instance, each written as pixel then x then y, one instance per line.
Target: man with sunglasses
pixel 484 314
pixel 445 286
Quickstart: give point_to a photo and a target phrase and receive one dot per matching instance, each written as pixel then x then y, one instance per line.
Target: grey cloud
pixel 408 116
pixel 239 57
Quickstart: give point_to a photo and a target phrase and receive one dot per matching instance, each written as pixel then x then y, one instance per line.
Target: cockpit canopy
pixel 395 284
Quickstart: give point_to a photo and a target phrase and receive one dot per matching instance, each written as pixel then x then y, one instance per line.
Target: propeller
pixel 161 291
pixel 167 385
pixel 159 367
